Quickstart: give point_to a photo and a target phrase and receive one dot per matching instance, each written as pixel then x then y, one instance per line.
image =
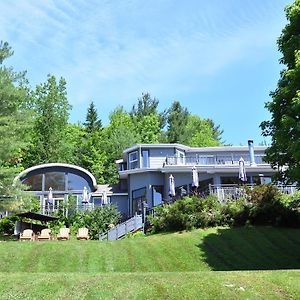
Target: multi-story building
pixel 144 173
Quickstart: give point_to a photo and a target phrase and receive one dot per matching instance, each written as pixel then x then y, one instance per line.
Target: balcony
pixel 200 160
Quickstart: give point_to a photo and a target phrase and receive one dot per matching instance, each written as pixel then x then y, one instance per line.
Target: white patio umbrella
pixel 104 198
pixel 171 186
pixel 195 182
pixel 242 170
pixel 50 196
pixel 85 195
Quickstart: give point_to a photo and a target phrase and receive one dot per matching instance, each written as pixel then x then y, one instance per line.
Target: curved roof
pixel 52 165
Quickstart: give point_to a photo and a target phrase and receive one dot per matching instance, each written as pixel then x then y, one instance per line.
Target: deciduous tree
pixel 284 125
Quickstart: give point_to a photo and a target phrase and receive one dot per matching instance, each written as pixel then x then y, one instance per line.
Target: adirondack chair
pixel 27 235
pixel 83 234
pixel 45 235
pixel 64 234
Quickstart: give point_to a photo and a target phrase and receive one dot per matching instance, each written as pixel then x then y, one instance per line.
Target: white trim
pixel 50 165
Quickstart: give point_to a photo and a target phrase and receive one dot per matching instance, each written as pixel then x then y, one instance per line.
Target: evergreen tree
pixel 177 119
pixel 91 155
pixel 92 122
pixel 284 126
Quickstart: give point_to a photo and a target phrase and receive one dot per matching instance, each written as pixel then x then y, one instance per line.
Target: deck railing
pixel 212 160
pixel 235 192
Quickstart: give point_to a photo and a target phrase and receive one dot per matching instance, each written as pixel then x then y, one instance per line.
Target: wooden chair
pixel 64 234
pixel 45 235
pixel 27 235
pixel 83 234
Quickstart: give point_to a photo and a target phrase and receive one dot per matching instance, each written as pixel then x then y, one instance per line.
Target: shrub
pixel 7 225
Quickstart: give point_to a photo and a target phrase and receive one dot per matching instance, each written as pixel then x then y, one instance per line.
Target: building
pixel 147 168
pixel 144 174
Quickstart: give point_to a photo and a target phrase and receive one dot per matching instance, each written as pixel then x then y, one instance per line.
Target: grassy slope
pixel 92 269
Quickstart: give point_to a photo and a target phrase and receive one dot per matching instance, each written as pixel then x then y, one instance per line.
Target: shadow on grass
pixel 252 248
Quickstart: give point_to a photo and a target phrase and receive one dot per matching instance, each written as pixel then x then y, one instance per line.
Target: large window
pixel 76 182
pixel 56 180
pixel 133 160
pixel 138 196
pixel 34 182
pixel 59 181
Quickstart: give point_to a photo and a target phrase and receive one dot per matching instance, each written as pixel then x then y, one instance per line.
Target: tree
pixel 147 106
pixel 118 135
pixel 92 122
pixel 201 132
pixel 14 122
pixel 51 113
pixel 177 119
pixel 284 125
pixel 90 153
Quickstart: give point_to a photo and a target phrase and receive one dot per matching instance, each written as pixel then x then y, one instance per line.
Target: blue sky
pixel 219 58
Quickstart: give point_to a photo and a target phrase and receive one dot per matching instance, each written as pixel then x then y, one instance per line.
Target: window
pixel 133 160
pixel 77 183
pixel 180 157
pixel 56 180
pixel 229 180
pixel 157 194
pixel 145 158
pixel 35 182
pixel 138 196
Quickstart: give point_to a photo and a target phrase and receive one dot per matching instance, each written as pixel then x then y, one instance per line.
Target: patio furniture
pixel 83 234
pixel 64 234
pixel 45 235
pixel 27 235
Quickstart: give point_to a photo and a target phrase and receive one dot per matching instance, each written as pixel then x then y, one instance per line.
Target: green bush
pixel 262 205
pixel 7 225
pixel 268 206
pixel 97 220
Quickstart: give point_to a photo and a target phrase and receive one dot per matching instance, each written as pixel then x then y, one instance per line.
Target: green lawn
pixel 168 266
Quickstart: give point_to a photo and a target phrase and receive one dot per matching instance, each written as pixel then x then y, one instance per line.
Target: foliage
pixel 92 122
pixel 177 120
pixel 97 220
pixel 263 205
pixel 14 121
pixel 284 126
pixel 51 112
pixel 90 151
pixel 7 225
pixel 147 106
pixel 202 132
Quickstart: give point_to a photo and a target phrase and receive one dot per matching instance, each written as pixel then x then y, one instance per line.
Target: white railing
pixel 50 209
pixel 235 192
pixel 212 160
pixel 131 225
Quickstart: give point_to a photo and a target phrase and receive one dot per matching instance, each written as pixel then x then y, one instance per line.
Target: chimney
pixel 251 153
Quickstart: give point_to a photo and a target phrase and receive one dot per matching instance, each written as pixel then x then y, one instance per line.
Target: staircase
pixel 131 225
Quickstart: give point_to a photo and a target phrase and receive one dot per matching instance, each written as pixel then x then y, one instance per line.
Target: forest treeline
pixel 35 127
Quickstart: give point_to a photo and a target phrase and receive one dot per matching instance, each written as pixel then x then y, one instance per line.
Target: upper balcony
pixel 213 160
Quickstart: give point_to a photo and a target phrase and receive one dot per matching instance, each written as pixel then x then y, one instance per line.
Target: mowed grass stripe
pixel 199 250
pixel 173 285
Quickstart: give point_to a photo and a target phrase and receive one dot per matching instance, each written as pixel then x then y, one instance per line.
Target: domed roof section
pixel 59 167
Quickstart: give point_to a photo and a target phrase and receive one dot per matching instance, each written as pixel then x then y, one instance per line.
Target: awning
pixel 36 216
